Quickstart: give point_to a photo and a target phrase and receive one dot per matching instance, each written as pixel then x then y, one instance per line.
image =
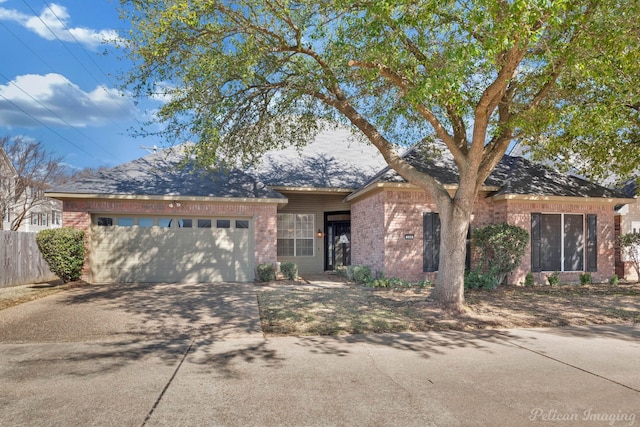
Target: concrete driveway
pixel 195 355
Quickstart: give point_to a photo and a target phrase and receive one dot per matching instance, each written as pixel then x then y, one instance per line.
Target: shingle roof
pixel 630 188
pixel 160 174
pixel 335 159
pixel 513 175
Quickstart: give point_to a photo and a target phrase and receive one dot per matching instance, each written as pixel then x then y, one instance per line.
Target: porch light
pixel 319 234
pixel 175 204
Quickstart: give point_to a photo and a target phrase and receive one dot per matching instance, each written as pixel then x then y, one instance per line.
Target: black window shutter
pixel 536 218
pixel 592 242
pixel 431 249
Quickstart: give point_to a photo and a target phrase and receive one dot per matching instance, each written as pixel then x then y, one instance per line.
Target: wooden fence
pixel 21 262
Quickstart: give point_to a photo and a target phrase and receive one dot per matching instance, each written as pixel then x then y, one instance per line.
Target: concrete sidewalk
pixel 566 376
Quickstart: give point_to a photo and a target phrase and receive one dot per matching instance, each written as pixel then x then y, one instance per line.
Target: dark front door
pixel 338 241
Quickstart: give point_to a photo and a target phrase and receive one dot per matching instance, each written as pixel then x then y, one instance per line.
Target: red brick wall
pixel 368 233
pixel 403 215
pixel 519 213
pixel 380 222
pixel 77 214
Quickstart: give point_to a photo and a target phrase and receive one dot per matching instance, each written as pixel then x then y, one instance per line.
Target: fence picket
pixel 21 262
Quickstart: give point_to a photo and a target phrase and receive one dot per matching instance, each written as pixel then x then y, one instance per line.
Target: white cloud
pixel 53 23
pixel 52 99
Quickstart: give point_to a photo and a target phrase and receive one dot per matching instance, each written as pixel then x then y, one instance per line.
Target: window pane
pixel 204 223
pixel 551 242
pixel 125 222
pixel 242 223
pixel 165 222
pixel 105 222
pixel 185 223
pixel 296 234
pixel 304 247
pixel 286 226
pixel 285 247
pixel 573 243
pixel 223 223
pixel 145 222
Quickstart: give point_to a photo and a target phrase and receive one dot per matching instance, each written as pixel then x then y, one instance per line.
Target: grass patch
pixel 359 310
pixel 12 296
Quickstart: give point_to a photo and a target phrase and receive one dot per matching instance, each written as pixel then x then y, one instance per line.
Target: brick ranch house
pixel 332 203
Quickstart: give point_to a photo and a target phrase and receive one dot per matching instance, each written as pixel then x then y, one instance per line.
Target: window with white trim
pixel 296 234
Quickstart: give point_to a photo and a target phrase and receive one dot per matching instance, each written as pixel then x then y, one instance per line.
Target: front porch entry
pixel 337 243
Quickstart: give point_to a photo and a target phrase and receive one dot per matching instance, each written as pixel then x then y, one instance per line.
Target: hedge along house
pixel 331 203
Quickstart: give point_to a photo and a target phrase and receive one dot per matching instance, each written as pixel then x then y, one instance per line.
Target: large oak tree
pixel 241 77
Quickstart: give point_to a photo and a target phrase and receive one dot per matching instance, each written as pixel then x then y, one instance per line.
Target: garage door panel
pixel 155 254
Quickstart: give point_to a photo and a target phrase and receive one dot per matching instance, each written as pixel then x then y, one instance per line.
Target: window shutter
pixel 536 218
pixel 431 234
pixel 592 242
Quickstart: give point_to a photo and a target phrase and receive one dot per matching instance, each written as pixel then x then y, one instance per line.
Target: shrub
pixel 613 280
pixel 355 273
pixel 424 284
pixel 360 273
pixel 554 278
pixel 394 282
pixel 266 272
pixel 501 248
pixel 289 270
pixel 528 280
pixel 63 249
pixel 476 279
pixel 585 279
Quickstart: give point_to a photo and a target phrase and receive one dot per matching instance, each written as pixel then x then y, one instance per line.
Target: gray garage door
pixel 170 249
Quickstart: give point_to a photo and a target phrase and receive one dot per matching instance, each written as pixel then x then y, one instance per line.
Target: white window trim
pixel 295 239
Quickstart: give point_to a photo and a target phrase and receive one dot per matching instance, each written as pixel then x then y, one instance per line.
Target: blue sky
pixel 59 79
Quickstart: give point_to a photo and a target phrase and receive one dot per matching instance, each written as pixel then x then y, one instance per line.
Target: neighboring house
pixel 18 200
pixel 329 204
pixel 627 221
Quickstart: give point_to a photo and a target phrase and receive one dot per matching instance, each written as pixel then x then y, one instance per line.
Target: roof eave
pixel 407 186
pixel 316 190
pixel 210 199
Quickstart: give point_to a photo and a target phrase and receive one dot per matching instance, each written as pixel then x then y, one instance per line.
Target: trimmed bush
pixel 554 278
pixel 289 270
pixel 477 279
pixel 528 280
pixel 63 249
pixel 501 248
pixel 613 280
pixel 360 273
pixel 266 272
pixel 355 273
pixel 585 279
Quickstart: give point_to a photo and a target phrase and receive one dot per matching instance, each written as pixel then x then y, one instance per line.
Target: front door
pixel 338 240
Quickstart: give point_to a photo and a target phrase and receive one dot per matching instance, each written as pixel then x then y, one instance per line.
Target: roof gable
pixel 7 169
pixel 512 175
pixel 335 159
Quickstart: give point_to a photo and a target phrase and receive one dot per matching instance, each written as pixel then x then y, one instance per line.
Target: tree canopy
pixel 245 76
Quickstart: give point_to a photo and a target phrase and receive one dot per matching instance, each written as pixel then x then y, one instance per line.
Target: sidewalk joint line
pixel 575 367
pixel 166 387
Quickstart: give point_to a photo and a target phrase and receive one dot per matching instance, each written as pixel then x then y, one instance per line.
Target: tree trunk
pixel 449 288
